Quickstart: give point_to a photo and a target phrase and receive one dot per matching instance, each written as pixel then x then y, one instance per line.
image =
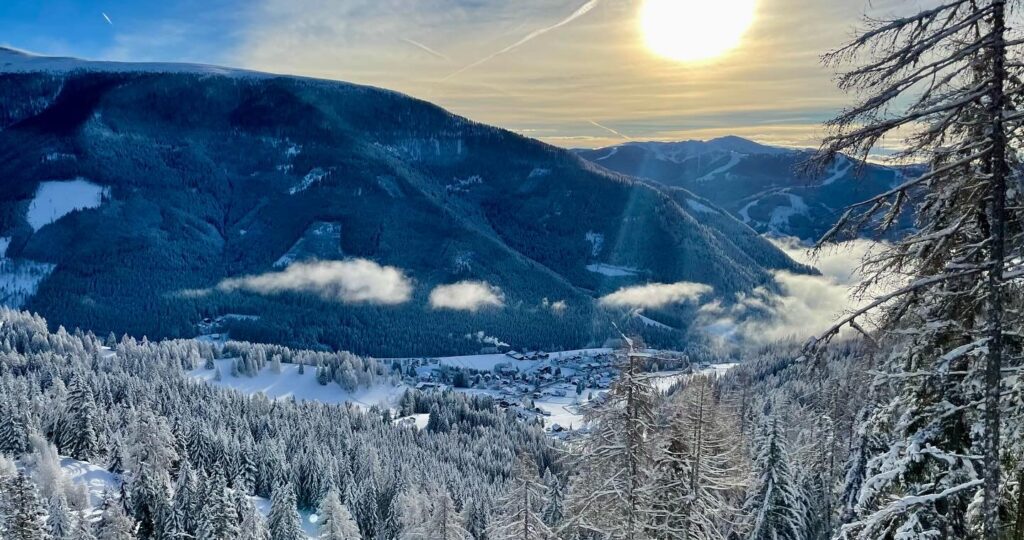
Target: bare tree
pixel 944 79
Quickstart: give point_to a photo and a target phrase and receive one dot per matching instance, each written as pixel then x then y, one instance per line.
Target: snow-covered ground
pixel 698 206
pixel 612 270
pixel 19 279
pixel 291 384
pixel 14 61
pixel 55 199
pixel 487 362
pixel 99 481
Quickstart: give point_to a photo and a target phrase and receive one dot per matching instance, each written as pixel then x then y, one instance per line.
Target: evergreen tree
pixel 59 521
pixel 250 524
pixel 773 507
pixel 114 523
pixel 336 522
pixel 218 519
pixel 25 514
pixel 284 516
pixel 80 440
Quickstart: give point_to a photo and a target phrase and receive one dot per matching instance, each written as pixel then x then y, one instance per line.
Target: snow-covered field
pixel 55 199
pixel 291 384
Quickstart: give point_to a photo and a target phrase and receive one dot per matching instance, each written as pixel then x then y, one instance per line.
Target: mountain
pixel 130 194
pixel 760 185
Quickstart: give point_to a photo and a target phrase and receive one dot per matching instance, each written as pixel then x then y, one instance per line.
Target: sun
pixel 694 30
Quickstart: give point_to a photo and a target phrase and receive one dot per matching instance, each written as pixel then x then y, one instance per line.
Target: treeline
pixel 189 454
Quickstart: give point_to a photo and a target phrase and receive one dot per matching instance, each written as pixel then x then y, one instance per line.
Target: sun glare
pixel 694 30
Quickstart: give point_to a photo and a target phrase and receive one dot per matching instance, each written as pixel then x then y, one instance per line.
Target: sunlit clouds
pixel 580 83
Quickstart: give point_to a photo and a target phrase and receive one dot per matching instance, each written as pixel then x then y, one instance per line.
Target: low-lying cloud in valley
pixel 354 281
pixel 466 296
pixel 655 295
pixel 806 305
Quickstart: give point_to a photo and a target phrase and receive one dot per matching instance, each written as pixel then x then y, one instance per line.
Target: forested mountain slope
pixel 762 186
pixel 128 192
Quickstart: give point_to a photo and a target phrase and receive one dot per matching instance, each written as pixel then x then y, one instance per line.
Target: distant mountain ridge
pixel 760 185
pixel 186 176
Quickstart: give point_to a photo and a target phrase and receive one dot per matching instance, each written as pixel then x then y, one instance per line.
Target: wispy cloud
pixel 107 18
pixel 355 281
pixel 426 49
pixel 583 10
pixel 466 296
pixel 655 295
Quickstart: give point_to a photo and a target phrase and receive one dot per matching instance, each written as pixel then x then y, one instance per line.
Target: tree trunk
pixel 1019 528
pixel 997 238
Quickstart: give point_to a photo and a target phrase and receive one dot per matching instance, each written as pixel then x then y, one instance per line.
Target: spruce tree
pixel 773 507
pixel 25 514
pixel 284 516
pixel 114 523
pixel 336 522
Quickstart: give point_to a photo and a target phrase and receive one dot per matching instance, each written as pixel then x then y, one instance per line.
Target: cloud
pixel 354 281
pixel 107 18
pixel 655 295
pixel 557 307
pixel 481 337
pixel 806 305
pixel 466 296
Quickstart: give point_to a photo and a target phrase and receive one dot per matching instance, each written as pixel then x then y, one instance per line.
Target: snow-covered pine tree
pixel 697 475
pixel 615 460
pixel 774 505
pixel 520 509
pixel 283 521
pixel 59 521
pixel 443 521
pixel 553 512
pixel 251 525
pixel 336 521
pixel 114 523
pixel 25 516
pixel 218 519
pixel 946 80
pixel 79 436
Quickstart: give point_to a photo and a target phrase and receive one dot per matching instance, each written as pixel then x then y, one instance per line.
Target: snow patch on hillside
pixel 20 279
pixel 96 479
pixel 313 176
pixel 55 199
pixel 734 159
pixel 612 270
pixel 781 214
pixel 698 206
pixel 291 384
pixel 596 242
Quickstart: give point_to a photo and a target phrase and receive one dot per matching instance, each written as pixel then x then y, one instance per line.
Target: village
pixel 548 388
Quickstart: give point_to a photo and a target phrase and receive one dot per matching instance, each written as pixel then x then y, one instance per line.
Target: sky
pixel 574 73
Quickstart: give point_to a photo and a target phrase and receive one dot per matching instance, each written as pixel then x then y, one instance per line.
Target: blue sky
pixel 589 82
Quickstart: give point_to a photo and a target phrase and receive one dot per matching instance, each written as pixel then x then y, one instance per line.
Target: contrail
pixel 610 130
pixel 107 17
pixel 423 47
pixel 539 32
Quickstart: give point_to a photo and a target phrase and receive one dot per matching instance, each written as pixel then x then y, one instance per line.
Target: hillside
pixel 137 197
pixel 760 185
